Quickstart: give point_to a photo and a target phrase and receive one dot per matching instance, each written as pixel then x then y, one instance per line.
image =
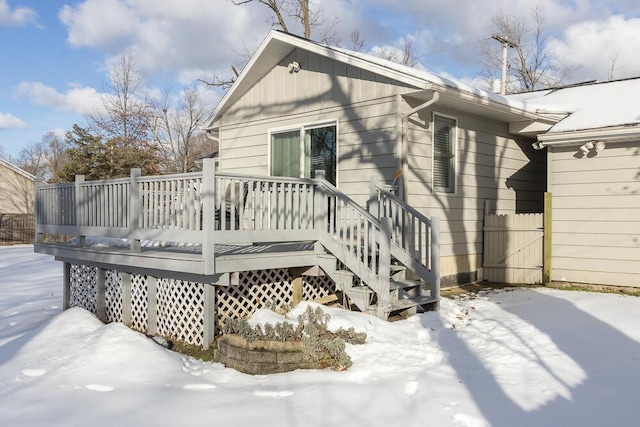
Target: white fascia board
pixel 613 134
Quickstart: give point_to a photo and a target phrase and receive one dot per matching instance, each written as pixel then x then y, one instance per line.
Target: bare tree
pixel 44 159
pixel 127 111
pixel 531 68
pixel 406 55
pixel 178 132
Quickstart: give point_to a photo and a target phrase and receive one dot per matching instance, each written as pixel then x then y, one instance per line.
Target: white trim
pixel 302 128
pixel 611 134
pixel 454 173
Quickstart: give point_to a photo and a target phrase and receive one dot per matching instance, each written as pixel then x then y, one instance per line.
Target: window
pixel 444 154
pixel 303 151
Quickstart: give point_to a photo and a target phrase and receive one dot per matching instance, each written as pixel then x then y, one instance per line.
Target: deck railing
pixel 414 237
pixel 208 208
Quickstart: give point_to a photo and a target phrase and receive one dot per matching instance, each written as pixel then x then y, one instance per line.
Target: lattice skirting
pixel 179 305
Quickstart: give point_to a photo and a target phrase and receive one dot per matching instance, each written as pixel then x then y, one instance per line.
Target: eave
pixel 579 137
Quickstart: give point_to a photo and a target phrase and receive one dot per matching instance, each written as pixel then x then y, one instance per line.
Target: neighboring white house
pixel 594 175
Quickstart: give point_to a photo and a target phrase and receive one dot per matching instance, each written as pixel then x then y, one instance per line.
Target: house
pixel 16 189
pixel 300 106
pixel 341 175
pixel 16 204
pixel 593 164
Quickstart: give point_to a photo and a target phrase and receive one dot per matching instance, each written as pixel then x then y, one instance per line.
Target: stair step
pixel 361 290
pixel 406 303
pixel 405 284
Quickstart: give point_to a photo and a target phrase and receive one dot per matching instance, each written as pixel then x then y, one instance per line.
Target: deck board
pixel 185 262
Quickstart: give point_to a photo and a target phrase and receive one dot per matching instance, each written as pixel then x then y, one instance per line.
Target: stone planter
pixel 267 357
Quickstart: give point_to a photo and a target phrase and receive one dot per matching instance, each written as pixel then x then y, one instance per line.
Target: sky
pixel 56 54
pixel 516 357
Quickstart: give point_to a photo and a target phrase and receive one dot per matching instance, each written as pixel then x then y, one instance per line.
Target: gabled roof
pixel 17 170
pixel 277 45
pixel 593 110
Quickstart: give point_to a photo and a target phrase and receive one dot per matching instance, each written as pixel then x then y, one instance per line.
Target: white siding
pixel 596 215
pixel 362 103
pixel 491 165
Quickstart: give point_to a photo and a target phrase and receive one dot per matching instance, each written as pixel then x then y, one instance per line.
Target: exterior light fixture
pixel 537 145
pixel 600 145
pixel 294 67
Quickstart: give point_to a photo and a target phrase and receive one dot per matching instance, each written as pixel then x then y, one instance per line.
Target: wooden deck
pixel 219 224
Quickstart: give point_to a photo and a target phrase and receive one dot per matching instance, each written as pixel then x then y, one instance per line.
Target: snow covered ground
pixel 536 357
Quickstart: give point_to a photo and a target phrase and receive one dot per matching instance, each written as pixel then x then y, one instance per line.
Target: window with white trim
pixel 302 151
pixel 444 153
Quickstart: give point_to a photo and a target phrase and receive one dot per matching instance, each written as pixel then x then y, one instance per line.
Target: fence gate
pixel 513 248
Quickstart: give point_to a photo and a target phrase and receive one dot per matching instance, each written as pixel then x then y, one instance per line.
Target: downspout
pixel 403 138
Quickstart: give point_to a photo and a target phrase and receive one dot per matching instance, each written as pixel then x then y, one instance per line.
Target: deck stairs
pixel 393 276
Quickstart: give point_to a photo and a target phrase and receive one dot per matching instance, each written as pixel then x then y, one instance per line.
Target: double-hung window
pixel 300 152
pixel 444 153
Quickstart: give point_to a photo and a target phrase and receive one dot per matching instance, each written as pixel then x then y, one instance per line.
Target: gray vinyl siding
pixel 596 215
pixel 491 165
pixel 362 103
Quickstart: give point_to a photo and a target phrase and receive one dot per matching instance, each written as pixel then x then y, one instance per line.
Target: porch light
pixel 600 145
pixel 294 67
pixel 537 145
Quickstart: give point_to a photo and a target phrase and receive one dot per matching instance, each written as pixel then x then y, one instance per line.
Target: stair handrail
pixel 373 256
pixel 411 237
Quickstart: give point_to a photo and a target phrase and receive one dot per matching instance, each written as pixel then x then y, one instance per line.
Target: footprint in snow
pixel 198 387
pixel 98 387
pixel 33 372
pixel 274 394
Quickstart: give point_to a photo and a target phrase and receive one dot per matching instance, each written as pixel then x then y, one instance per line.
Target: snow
pixel 526 357
pixel 591 106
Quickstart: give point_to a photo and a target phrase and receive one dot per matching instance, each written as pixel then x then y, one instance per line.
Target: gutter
pixel 608 135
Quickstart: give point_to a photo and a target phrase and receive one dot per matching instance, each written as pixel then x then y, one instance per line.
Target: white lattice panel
pixel 258 288
pixel 113 296
pixel 180 310
pixel 139 305
pixel 84 288
pixel 317 287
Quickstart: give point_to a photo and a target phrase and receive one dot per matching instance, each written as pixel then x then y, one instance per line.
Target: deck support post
pixel 152 305
pixel 101 276
pixel 209 214
pixel 126 299
pixel 66 285
pixel 209 314
pixel 435 260
pixel 80 205
pixel 135 206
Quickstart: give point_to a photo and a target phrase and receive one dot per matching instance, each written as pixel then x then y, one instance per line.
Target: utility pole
pixel 506 44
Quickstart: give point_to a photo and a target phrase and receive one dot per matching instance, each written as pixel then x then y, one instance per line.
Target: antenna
pixel 506 44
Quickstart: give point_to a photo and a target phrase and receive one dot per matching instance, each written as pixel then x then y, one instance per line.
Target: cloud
pixel 17 17
pixel 9 121
pixel 599 49
pixel 190 37
pixel 77 99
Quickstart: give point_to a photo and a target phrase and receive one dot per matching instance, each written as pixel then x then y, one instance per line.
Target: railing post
pixel 384 269
pixel 39 237
pixel 80 207
pixel 135 206
pixel 435 258
pixel 372 203
pixel 209 214
pixel 320 204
